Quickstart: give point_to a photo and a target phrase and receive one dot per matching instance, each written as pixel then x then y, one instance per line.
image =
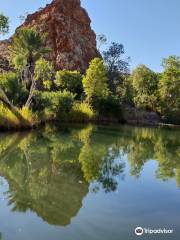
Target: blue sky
pixel 149 29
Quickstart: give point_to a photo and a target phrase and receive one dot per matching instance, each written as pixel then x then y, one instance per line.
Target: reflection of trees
pixel 39 183
pixel 161 145
pixel 97 158
pixel 49 171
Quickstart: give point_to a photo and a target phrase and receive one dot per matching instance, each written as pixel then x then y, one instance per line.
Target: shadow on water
pixel 50 171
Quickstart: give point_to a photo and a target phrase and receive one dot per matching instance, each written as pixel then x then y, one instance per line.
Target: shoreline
pixel 95 122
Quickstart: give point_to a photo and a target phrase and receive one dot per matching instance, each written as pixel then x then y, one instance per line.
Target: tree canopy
pixel 95 81
pixel 4 24
pixel 169 87
pixel 145 85
pixel 117 66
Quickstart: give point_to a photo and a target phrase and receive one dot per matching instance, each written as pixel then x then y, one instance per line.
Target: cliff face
pixel 69 35
pixel 4 56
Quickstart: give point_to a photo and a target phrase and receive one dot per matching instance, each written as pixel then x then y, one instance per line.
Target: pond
pixel 89 183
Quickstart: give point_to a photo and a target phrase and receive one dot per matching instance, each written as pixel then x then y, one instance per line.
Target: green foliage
pixel 117 67
pixel 10 121
pixel 81 112
pixel 27 46
pixel 95 81
pixel 19 62
pixel 28 41
pixel 145 85
pixel 169 89
pixel 124 92
pixel 102 40
pixel 4 24
pixel 107 85
pixel 31 117
pixel 44 74
pixel 54 105
pixel 109 107
pixel 13 88
pixel 70 81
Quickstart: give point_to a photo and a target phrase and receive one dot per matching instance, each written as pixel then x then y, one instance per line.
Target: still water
pixel 89 183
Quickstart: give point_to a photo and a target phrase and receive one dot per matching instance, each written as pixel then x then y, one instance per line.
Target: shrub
pixel 109 107
pixel 81 112
pixel 13 88
pixel 70 81
pixel 44 74
pixel 54 105
pixel 8 120
pixel 29 116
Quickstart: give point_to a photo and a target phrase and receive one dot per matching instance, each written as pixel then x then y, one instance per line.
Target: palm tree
pixel 26 48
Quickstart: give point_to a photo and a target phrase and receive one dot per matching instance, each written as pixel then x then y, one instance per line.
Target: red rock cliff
pixel 70 37
pixel 69 34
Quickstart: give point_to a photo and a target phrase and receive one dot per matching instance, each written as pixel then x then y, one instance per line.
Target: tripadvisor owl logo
pixel 139 231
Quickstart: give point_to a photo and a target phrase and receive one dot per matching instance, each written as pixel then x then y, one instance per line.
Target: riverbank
pixel 93 122
pixel 80 113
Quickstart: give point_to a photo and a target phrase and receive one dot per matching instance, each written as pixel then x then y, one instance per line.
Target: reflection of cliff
pixel 53 190
pixel 61 199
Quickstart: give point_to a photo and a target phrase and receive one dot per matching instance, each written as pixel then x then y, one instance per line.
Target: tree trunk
pixel 31 94
pixel 30 70
pixel 4 99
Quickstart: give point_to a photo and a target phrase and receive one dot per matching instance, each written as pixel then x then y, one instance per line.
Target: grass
pixel 81 112
pixel 10 121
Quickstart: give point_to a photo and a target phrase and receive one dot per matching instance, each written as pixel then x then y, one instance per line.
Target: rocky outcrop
pixel 136 116
pixel 69 34
pixel 4 56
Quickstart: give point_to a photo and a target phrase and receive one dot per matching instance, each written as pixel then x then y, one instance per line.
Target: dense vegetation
pixel 34 92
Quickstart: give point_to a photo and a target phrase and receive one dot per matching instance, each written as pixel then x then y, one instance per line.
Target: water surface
pixel 89 182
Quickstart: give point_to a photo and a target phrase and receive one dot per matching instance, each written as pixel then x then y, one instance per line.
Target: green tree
pixel 4 24
pixel 70 81
pixel 145 85
pixel 44 74
pixel 95 81
pixel 102 40
pixel 117 66
pixel 14 89
pixel 169 88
